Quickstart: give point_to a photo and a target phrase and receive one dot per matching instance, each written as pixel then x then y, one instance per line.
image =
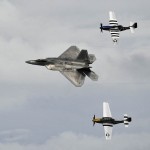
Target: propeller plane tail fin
pixel 133 26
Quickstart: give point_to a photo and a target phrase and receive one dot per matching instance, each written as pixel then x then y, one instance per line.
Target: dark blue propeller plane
pixel 114 28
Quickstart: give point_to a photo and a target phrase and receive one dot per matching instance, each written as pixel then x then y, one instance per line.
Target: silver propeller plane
pixel 107 121
pixel 73 64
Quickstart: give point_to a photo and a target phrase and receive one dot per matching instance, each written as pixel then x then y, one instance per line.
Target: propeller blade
pixel 101 27
pixel 93 120
pixel 94 117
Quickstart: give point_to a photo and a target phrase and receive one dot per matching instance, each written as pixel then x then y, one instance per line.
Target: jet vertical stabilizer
pixel 83 55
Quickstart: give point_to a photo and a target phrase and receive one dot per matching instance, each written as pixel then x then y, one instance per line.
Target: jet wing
pixel 114 31
pixel 108 131
pixel 74 77
pixel 106 110
pixel 71 53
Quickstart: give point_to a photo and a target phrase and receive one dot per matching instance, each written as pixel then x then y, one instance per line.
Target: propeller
pixel 93 120
pixel 101 27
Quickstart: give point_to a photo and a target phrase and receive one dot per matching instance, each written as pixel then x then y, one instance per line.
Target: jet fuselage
pixel 58 64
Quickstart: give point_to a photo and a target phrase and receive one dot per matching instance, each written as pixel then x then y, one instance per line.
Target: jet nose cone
pixel 27 62
pixel 31 62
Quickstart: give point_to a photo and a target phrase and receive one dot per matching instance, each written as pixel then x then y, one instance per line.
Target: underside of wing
pixel 115 36
pixel 106 110
pixel 108 132
pixel 71 53
pixel 112 19
pixel 74 77
pixel 114 31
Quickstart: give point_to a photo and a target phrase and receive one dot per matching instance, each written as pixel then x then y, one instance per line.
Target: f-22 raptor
pixel 73 64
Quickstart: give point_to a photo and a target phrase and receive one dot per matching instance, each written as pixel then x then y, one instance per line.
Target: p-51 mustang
pixel 114 28
pixel 107 121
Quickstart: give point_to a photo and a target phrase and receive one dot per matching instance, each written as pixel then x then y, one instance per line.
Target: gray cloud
pixel 44 102
pixel 69 140
pixel 11 136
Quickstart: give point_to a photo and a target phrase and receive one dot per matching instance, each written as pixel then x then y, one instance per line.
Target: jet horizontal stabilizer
pixel 92 75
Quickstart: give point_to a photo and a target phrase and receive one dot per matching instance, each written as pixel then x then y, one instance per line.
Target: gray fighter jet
pixel 73 64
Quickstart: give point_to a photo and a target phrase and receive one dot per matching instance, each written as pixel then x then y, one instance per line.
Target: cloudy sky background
pixel 40 109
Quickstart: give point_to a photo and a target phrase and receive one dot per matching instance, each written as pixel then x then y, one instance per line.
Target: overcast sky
pixel 40 109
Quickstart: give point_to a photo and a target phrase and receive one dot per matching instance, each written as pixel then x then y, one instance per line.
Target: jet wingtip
pixel 74 47
pixel 77 85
